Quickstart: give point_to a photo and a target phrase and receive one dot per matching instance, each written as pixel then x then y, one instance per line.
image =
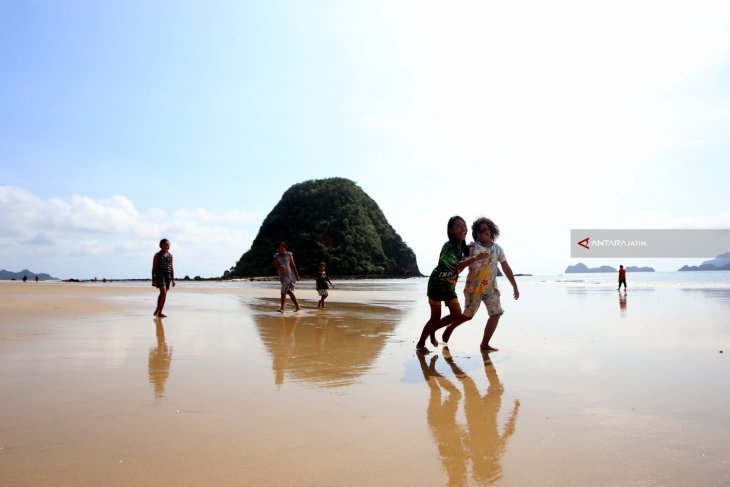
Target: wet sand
pixel 589 388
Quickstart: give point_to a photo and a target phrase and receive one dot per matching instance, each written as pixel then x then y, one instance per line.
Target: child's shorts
pixel 162 281
pixel 323 292
pixel 491 301
pixel 438 290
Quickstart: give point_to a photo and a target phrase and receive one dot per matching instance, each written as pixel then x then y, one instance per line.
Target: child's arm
pixel 328 280
pixel 154 268
pixel 511 277
pixel 469 261
pixel 172 273
pixel 294 267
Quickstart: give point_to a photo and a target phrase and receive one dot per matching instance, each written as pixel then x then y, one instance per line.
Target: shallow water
pixel 590 387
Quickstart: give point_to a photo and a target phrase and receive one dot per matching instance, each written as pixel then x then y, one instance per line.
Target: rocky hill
pixel 331 220
pixel 719 263
pixel 18 276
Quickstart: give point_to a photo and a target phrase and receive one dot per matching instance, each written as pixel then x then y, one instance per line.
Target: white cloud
pixel 114 215
pixel 545 83
pixel 548 116
pixel 84 237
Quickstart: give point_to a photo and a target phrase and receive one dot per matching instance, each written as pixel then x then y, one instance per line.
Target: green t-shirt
pixel 442 283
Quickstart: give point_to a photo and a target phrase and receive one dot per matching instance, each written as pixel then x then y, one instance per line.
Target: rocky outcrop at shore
pixel 331 220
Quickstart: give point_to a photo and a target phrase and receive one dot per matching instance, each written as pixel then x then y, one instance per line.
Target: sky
pixel 122 123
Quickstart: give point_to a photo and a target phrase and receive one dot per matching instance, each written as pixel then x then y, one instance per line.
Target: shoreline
pixel 679 273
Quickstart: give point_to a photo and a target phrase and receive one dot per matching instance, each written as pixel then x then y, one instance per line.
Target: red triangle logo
pixel 584 243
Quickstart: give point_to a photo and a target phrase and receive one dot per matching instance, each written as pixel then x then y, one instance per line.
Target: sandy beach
pixel 588 388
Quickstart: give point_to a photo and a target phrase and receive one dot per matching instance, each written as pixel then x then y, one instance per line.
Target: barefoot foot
pixel 422 349
pixel 488 349
pixel 434 342
pixel 447 334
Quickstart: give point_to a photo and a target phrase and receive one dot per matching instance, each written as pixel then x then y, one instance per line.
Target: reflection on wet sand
pixel 478 443
pixel 285 348
pixel 722 294
pixel 622 303
pixel 159 361
pixel 330 347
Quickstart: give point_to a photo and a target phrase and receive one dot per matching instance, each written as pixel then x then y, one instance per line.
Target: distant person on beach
pixel 36 278
pixel 481 282
pixel 442 282
pixel 323 283
pixel 288 274
pixel 163 275
pixel 621 278
pixel 25 278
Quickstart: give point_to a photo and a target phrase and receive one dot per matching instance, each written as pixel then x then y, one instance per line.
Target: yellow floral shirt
pixel 482 277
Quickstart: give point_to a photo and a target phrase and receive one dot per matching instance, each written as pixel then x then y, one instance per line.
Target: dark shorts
pixel 441 290
pixel 162 281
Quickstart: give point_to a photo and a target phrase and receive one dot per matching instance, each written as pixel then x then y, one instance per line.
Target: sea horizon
pixel 719 278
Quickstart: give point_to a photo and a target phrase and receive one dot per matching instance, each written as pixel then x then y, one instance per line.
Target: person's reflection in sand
pixel 286 347
pixel 441 418
pixel 622 303
pixel 324 330
pixel 159 362
pixel 480 441
pixel 334 348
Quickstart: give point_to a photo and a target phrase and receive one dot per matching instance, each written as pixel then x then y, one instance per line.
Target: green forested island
pixel 331 220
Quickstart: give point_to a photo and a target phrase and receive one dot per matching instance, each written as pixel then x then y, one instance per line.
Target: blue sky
pixel 125 122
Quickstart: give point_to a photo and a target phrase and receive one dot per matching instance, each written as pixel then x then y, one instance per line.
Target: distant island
pixel 18 276
pixel 719 263
pixel 582 268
